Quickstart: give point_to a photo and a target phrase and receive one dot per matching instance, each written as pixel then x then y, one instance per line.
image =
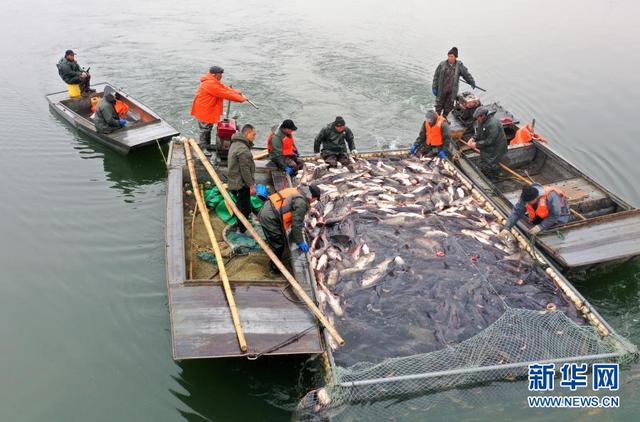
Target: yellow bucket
pixel 74 90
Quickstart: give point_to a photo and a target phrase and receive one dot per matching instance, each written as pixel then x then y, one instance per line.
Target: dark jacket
pixel 240 162
pixel 558 211
pixel 447 143
pixel 107 119
pixel 491 141
pixel 275 155
pixel 270 218
pixel 69 71
pixel 333 142
pixel 460 71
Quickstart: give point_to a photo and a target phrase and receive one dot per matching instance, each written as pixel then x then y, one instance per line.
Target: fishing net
pixel 444 306
pixel 243 243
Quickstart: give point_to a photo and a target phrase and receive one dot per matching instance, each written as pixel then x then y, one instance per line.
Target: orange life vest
pixel 121 108
pixel 541 209
pixel 433 134
pixel 288 144
pixel 524 135
pixel 282 203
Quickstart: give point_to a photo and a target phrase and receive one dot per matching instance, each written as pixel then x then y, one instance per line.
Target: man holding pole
pixel 446 79
pixel 334 139
pixel 490 140
pixel 208 103
pixel 285 210
pixel 544 207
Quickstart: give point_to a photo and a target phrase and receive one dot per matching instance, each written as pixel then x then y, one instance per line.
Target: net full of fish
pixel 407 262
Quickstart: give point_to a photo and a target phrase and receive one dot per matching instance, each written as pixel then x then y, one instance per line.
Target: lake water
pixel 85 327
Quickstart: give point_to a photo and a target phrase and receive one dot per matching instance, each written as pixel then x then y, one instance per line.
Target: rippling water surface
pixel 85 328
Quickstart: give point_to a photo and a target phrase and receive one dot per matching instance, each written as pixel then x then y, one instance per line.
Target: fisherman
pixel 209 101
pixel 466 105
pixel 286 210
pixel 106 117
pixel 490 140
pixel 434 138
pixel 72 74
pixel 241 179
pixel 334 139
pixel 445 81
pixel 282 148
pixel 544 207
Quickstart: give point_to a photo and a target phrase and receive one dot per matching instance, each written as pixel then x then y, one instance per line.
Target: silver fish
pixel 373 275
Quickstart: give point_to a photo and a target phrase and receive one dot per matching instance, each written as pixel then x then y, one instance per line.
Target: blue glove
pixel 473 85
pixel 303 246
pixel 289 170
pixel 262 192
pixel 442 154
pixel 434 91
pixel 122 122
pixel 413 149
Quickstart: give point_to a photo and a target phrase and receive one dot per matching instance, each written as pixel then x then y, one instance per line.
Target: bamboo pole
pixel 292 281
pixel 521 178
pixel 204 213
pixel 193 226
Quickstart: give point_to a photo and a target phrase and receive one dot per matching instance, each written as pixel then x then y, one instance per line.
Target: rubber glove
pixel 303 246
pixel 442 154
pixel 289 170
pixel 262 192
pixel 473 85
pixel 413 150
pixel 434 91
pixel 534 230
pixel 122 122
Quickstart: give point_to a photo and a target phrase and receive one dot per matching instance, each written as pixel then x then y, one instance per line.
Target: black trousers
pixel 243 201
pixel 273 233
pixel 294 162
pixel 205 134
pixel 85 84
pixel 444 103
pixel 332 159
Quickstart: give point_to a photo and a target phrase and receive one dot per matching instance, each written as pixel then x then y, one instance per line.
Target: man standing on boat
pixel 106 118
pixel 241 180
pixel 334 139
pixel 490 139
pixel 282 148
pixel 283 211
pixel 544 207
pixel 72 74
pixel 434 138
pixel 446 79
pixel 208 103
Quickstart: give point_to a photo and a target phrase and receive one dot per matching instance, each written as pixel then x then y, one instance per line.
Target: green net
pixel 243 243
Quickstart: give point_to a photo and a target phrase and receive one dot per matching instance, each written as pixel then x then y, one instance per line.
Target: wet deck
pixel 201 324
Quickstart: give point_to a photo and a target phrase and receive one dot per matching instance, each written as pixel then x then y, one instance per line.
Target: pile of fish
pixel 406 261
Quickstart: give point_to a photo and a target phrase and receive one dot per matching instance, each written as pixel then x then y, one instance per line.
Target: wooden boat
pixel 610 230
pixel 144 128
pixel 274 321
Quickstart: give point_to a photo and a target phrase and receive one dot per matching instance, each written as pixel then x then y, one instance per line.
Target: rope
pixel 164 158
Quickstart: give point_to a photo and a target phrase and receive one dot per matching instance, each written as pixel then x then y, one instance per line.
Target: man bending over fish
pixel 544 207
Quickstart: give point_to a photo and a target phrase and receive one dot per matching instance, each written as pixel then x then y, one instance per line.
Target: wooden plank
pixel 203 328
pixel 612 238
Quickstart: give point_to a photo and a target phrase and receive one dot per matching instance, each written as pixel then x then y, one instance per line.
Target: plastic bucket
pixel 74 90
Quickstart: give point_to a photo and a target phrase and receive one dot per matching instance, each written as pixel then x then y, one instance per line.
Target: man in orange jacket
pixel 208 102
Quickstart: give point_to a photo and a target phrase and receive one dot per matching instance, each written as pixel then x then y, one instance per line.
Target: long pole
pixel 521 178
pixel 477 87
pixel 204 212
pixel 292 281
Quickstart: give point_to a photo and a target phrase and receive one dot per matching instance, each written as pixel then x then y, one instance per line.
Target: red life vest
pixel 288 144
pixel 540 208
pixel 433 134
pixel 282 203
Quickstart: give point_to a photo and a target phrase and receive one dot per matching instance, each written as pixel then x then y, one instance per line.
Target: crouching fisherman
pixel 74 76
pixel 544 207
pixel 283 211
pixel 107 119
pixel 334 139
pixel 490 140
pixel 282 148
pixel 434 138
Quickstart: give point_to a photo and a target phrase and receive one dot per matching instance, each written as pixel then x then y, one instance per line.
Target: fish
pixel 476 235
pixel 322 262
pixel 332 277
pixel 373 275
pixel 334 254
pixel 361 264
